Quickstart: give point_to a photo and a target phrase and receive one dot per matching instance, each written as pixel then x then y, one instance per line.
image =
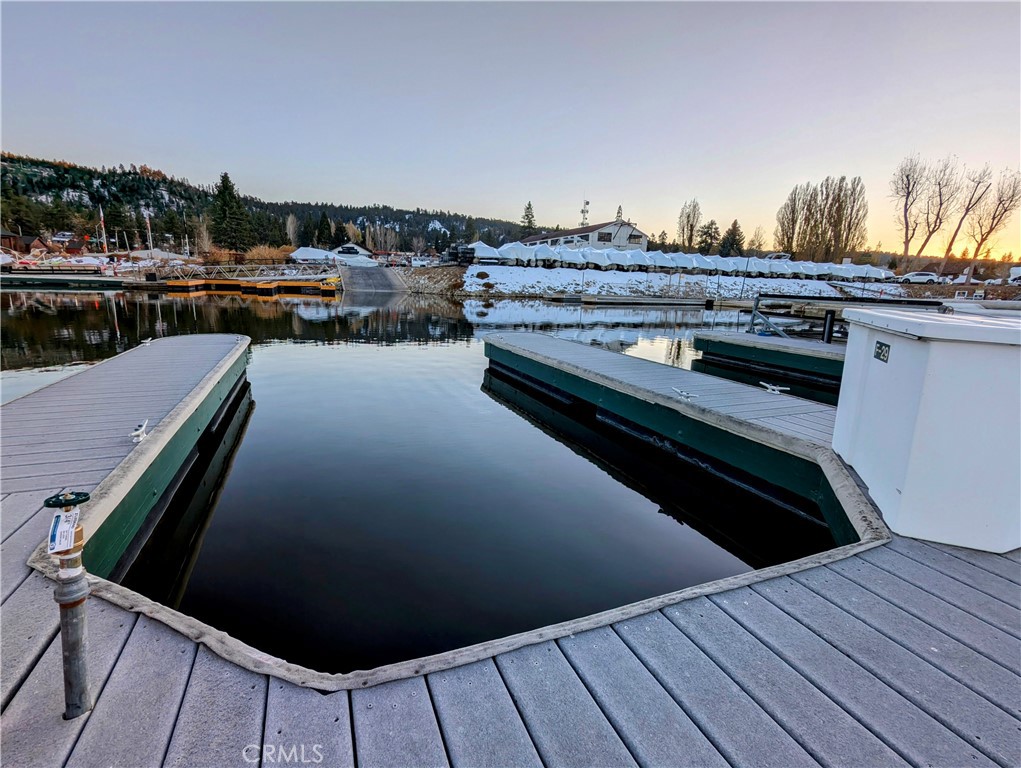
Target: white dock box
pixel 930 418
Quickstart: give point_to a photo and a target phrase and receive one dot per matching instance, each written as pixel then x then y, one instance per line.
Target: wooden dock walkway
pixel 904 654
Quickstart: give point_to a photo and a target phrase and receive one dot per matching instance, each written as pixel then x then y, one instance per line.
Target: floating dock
pixel 810 368
pixel 885 652
pixel 261 288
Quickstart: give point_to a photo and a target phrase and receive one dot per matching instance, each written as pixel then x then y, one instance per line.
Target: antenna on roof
pixel 584 213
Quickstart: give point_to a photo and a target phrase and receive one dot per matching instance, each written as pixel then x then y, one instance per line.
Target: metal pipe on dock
pixel 71 592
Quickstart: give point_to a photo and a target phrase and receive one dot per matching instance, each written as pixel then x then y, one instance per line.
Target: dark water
pixel 382 505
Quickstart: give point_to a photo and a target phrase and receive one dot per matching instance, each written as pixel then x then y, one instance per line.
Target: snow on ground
pixel 538 281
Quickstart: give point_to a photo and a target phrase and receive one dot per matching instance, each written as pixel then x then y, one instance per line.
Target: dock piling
pixel 71 592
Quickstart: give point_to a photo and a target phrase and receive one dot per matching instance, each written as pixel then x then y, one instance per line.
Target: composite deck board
pixel 967 666
pixel 1013 555
pixel 933 610
pixel 32 619
pixel 743 732
pixel 221 715
pixel 479 721
pixel 965 597
pixel 307 727
pixel 906 728
pixel 567 726
pixel 70 479
pixel 822 728
pixel 146 695
pixel 16 509
pixel 809 347
pixel 395 726
pixel 1000 565
pixel 32 729
pixel 955 568
pixel 985 726
pixel 652 725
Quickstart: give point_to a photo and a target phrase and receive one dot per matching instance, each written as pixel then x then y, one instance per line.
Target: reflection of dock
pixel 906 653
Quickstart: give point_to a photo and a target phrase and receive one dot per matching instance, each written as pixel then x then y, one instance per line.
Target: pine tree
pixel 339 236
pixel 323 233
pixel 708 237
pixel 307 235
pixel 732 242
pixel 230 224
pixel 620 213
pixel 528 221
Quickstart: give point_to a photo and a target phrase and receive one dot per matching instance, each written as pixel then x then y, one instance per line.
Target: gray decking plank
pixel 1014 555
pixel 991 642
pixel 964 664
pixel 305 726
pixel 974 719
pixel 968 599
pixel 15 551
pixel 651 724
pixel 956 568
pixel 480 724
pixel 76 480
pixel 737 726
pixel 30 621
pixel 566 725
pixel 910 731
pixel 395 726
pixel 56 454
pixel 221 715
pixel 47 468
pixel 145 689
pixel 95 444
pixel 18 508
pixel 32 730
pixel 987 561
pixel 821 727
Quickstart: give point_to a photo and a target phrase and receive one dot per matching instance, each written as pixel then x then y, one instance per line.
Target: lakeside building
pixel 621 235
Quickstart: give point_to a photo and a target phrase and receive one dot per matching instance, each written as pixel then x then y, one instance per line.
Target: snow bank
pixel 537 281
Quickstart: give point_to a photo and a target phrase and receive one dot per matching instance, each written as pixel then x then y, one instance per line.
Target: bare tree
pixel 354 235
pixel 203 242
pixel 381 237
pixel 907 188
pixel 975 186
pixel 845 211
pixel 292 229
pixel 994 213
pixel 756 243
pixel 942 188
pixel 418 244
pixel 687 224
pixel 788 219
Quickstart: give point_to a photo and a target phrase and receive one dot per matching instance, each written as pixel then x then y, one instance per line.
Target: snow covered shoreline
pixel 539 282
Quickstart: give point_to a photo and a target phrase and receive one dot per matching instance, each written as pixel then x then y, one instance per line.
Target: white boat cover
pixel 483 251
pixel 570 257
pixel 545 255
pixel 309 254
pixel 596 258
pixel 523 254
pixel 618 258
pixel 660 260
pixel 682 260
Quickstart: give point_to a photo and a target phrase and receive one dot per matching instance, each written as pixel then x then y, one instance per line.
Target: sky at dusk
pixel 481 107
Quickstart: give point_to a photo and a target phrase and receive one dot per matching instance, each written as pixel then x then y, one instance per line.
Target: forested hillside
pixel 47 196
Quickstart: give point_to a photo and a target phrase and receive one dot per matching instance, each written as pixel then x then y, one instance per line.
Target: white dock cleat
pixel 774 389
pixel 684 395
pixel 139 434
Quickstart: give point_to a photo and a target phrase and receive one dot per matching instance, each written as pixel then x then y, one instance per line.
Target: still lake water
pixel 381 506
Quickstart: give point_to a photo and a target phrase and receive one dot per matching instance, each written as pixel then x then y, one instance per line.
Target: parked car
pixel 920 277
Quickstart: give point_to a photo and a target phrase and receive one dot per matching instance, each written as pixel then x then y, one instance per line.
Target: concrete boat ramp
pixel 886 652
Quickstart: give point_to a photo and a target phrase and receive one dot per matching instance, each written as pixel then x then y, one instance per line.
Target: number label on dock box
pixel 882 352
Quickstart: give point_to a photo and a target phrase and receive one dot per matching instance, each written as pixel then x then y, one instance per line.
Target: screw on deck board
pixel 70 594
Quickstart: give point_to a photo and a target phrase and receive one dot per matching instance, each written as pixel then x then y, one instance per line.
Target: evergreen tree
pixel 620 213
pixel 471 230
pixel 708 237
pixel 339 237
pixel 307 234
pixel 528 221
pixel 230 224
pixel 323 233
pixel 732 242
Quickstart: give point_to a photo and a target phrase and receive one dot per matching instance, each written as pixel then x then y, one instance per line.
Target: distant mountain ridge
pixel 56 183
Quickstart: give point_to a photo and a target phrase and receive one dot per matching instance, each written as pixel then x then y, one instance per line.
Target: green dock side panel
pixel 792 473
pixel 790 360
pixel 107 545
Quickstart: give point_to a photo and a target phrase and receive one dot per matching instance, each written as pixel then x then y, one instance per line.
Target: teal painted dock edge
pixel 106 545
pixel 794 473
pixel 768 353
